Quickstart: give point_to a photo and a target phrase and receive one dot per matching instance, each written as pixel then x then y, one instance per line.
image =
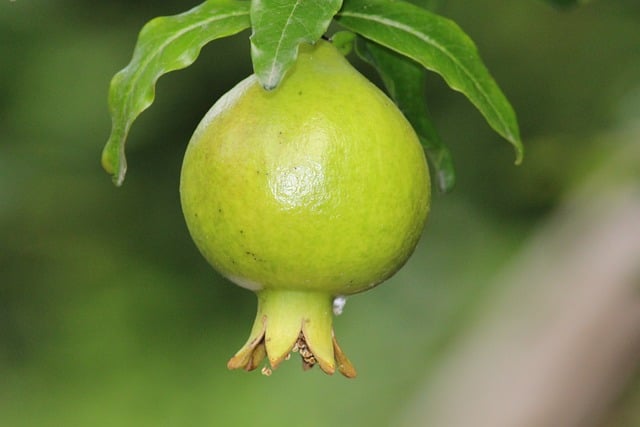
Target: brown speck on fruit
pixel 266 371
pixel 252 255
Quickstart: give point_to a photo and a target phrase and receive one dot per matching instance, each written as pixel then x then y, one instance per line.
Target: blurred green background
pixel 110 317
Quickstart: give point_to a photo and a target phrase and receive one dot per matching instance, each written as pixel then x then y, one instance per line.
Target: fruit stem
pixel 293 321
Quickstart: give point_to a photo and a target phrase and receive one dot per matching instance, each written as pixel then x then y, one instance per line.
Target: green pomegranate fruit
pixel 314 191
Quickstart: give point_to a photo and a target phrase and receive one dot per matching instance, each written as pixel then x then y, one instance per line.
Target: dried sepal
pixel 344 364
pixel 252 353
pixel 293 322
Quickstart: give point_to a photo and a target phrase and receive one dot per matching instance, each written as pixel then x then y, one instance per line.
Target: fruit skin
pixel 320 186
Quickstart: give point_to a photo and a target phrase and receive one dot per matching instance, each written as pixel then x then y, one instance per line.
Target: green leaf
pixel 165 44
pixel 405 82
pixel 343 41
pixel 425 4
pixel 279 26
pixel 439 45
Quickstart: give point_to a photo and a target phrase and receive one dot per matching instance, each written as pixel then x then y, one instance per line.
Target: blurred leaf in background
pixel 108 314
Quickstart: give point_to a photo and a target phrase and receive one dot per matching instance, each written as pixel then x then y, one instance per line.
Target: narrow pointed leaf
pixel 405 82
pixel 165 44
pixel 439 45
pixel 279 26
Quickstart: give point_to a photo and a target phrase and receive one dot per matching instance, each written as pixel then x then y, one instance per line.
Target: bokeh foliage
pixel 109 316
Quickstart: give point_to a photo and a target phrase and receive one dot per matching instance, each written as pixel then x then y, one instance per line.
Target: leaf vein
pixel 425 38
pixel 160 48
pixel 274 71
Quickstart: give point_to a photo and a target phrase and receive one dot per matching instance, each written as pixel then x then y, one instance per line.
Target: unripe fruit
pixel 315 190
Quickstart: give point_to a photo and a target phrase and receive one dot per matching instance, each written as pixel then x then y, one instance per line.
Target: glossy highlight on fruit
pixel 312 191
